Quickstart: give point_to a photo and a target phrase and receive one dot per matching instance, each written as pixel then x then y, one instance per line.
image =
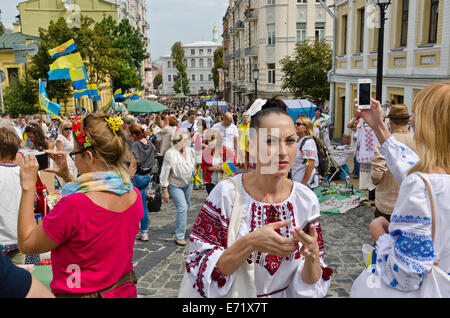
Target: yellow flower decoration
pixel 114 123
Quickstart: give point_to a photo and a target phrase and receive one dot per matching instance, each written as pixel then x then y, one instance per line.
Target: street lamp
pixel 255 77
pixel 383 4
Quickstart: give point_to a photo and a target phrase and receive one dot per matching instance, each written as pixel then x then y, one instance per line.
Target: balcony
pixel 251 51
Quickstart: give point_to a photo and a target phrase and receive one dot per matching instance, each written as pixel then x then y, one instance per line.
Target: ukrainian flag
pixel 68 61
pixel 50 107
pixel 93 92
pixel 111 103
pixel 59 74
pixel 229 168
pixel 78 77
pixel 371 259
pixel 133 96
pixel 118 94
pixel 63 49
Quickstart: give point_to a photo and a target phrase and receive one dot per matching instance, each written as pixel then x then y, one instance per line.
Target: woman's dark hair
pixel 40 141
pixel 272 106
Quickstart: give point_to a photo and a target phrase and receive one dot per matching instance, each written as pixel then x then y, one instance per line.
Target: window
pixel 434 15
pixel 193 63
pixel 320 31
pixel 301 32
pixel 193 52
pixel 271 34
pixel 271 73
pixel 13 74
pixel 201 77
pixel 404 32
pixel 169 64
pixel 200 52
pixel 361 30
pixel 209 51
pixel 193 77
pixel 185 62
pixel 270 1
pixel 302 1
pixel 169 78
pixel 344 35
pixel 210 63
pixel 201 63
pixel 210 78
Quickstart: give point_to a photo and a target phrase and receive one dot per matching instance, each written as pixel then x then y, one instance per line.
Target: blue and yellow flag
pixel 229 168
pixel 118 94
pixel 110 104
pixel 68 61
pixel 93 92
pixel 51 108
pixel 78 77
pixel 58 74
pixel 133 96
pixel 80 93
pixel 63 49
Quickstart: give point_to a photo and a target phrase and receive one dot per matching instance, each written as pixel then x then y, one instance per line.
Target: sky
pixel 170 21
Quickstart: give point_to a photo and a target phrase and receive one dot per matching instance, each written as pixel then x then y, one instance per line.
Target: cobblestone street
pixel 159 263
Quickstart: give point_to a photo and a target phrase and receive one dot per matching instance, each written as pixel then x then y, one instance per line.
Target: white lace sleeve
pixel 208 240
pixel 399 158
pixel 405 254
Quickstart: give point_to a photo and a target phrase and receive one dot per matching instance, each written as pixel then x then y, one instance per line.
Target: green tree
pixel 130 50
pixel 157 80
pixel 2 28
pixel 305 73
pixel 218 64
pixel 181 80
pixel 21 97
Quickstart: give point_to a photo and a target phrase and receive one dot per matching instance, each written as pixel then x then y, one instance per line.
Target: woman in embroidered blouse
pixel 288 262
pixel 307 160
pixel 405 252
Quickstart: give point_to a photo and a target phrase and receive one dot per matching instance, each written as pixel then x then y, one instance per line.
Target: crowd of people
pixel 258 169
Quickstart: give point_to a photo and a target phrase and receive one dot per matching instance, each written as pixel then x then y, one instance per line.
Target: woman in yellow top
pixel 244 155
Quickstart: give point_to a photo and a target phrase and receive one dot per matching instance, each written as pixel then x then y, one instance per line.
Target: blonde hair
pixel 109 147
pixel 431 108
pixel 64 123
pixel 309 124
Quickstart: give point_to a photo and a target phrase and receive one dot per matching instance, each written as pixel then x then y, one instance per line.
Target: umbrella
pixel 145 106
pixel 179 96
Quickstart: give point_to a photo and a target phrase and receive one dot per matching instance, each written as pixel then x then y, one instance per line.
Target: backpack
pixel 154 196
pixel 322 152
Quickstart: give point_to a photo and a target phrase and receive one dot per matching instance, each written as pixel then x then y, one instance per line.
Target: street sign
pixel 20 53
pixel 32 49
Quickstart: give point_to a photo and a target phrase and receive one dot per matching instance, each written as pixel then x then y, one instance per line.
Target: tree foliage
pixel 110 51
pixel 181 81
pixel 218 64
pixel 305 73
pixel 21 97
pixel 2 28
pixel 157 81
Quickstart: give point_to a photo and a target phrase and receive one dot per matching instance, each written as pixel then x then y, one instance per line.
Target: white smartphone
pixel 364 93
pixel 308 222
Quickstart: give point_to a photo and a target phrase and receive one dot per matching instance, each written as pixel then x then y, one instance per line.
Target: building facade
pixel 260 33
pixel 416 51
pixel 199 59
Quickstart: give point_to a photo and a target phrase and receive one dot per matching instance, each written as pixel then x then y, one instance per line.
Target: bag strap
pixel 430 194
pixel 236 214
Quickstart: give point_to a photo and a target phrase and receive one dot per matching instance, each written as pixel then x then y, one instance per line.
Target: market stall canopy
pixel 179 96
pixel 118 110
pixel 153 96
pixel 144 106
pixel 300 106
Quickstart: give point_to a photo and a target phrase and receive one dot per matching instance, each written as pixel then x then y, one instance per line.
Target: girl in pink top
pixel 91 231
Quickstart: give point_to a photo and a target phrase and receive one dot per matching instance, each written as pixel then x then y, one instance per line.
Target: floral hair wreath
pixel 80 133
